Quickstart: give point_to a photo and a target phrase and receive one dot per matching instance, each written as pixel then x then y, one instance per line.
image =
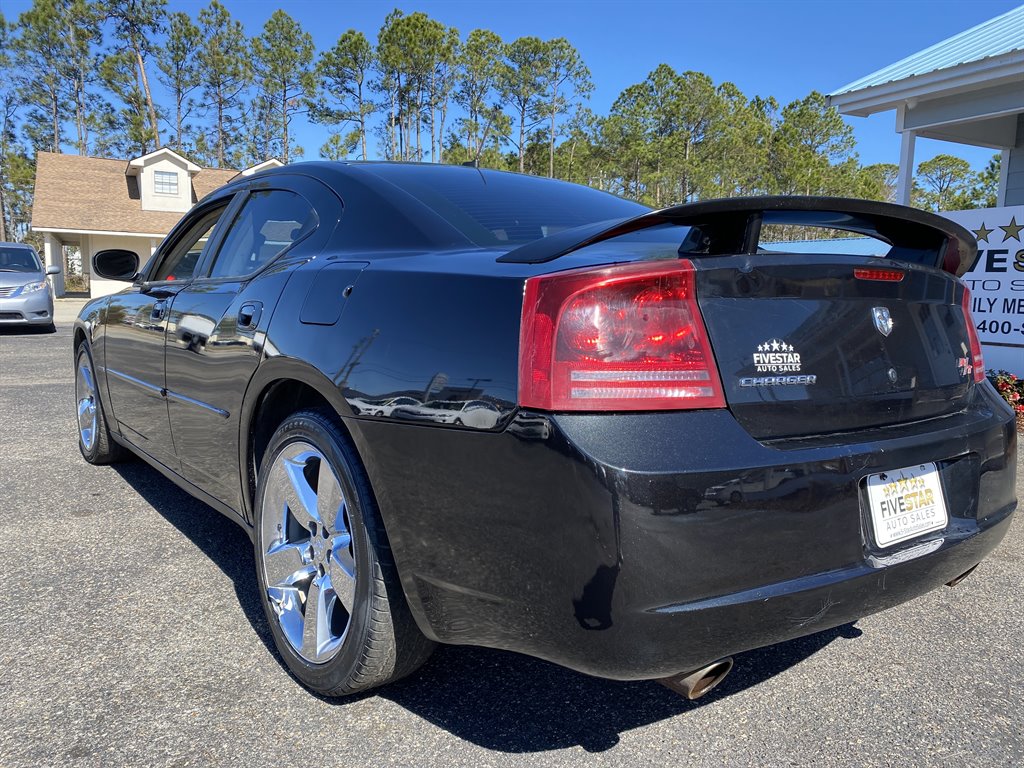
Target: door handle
pixel 157 313
pixel 249 315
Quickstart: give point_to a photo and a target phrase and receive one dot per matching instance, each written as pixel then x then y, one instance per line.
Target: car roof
pixel 386 210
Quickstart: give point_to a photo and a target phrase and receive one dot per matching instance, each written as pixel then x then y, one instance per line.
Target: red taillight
pixel 885 275
pixel 622 338
pixel 972 336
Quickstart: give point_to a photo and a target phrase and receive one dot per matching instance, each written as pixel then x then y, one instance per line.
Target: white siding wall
pixel 151 201
pixel 92 244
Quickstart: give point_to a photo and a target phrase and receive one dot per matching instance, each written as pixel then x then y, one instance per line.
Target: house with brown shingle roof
pixel 98 203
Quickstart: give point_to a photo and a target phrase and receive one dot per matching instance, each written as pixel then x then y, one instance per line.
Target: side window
pixel 180 262
pixel 270 221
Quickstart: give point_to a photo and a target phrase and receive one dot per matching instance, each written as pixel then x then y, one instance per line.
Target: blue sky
pixel 780 49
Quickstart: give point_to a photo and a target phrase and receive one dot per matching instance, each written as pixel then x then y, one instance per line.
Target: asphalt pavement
pixel 131 634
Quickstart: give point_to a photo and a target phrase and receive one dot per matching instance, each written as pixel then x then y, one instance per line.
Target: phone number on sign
pixel 1000 328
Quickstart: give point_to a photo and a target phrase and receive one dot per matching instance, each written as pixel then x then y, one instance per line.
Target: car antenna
pixel 475 163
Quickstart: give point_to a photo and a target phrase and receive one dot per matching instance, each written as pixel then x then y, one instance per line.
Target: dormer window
pixel 165 183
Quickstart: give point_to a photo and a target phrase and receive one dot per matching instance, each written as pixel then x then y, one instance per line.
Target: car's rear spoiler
pixel 733 226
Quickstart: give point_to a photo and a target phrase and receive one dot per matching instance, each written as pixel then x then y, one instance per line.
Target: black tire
pixel 382 642
pixel 103 449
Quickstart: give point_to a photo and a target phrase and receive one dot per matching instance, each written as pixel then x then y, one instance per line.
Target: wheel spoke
pixel 84 415
pixel 329 499
pixel 287 604
pixel 343 576
pixel 301 498
pixel 316 627
pixel 287 563
pixel 87 379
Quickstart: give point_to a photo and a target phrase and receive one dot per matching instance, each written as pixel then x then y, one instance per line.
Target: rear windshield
pixel 495 209
pixel 19 259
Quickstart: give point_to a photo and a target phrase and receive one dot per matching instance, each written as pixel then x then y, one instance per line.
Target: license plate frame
pixel 906 503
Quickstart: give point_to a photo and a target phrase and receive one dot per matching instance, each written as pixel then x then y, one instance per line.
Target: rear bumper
pixel 637 546
pixel 34 309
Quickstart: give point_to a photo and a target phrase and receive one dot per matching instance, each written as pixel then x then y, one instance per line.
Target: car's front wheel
pixel 326 577
pixel 94 440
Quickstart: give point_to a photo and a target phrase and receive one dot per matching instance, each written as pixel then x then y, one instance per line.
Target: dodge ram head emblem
pixel 883 320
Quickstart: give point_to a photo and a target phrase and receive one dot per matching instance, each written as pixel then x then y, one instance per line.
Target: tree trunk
pixel 177 123
pixel 419 125
pixel 3 214
pixel 54 104
pixel 440 132
pixel 401 121
pixel 220 127
pixel 433 140
pixel 362 119
pixel 551 147
pixel 153 124
pixel 284 124
pixel 522 139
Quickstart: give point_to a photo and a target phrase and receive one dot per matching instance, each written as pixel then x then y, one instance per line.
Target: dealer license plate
pixel 906 503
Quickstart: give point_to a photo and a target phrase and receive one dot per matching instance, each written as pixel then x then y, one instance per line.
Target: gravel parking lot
pixel 131 633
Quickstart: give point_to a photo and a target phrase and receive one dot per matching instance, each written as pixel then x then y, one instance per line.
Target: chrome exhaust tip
pixel 695 684
pixel 962 576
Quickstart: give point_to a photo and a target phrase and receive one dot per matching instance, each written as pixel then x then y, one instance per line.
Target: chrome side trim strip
pixel 168 393
pixel 138 382
pixel 191 401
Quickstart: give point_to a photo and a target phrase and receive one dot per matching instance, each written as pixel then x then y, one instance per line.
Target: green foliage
pixel 224 74
pixel 339 146
pixel 417 57
pixel 564 80
pixel 521 85
pixel 985 190
pixel 135 24
pixel 129 131
pixel 480 67
pixel 180 74
pixel 344 72
pixel 945 184
pixel 283 65
pixel 79 81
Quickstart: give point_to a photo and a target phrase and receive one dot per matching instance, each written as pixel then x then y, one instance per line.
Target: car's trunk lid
pixel 804 346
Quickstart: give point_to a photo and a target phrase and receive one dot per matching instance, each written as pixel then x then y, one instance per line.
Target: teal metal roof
pixel 995 37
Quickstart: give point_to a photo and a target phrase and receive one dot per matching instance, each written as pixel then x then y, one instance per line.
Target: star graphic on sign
pixel 982 233
pixel 775 346
pixel 1012 230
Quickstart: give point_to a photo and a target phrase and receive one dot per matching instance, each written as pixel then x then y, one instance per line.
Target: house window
pixel 165 183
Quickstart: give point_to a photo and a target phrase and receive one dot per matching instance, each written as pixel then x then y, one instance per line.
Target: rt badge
pixel 883 320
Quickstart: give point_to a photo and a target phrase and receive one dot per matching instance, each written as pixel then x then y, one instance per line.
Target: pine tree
pixel 136 23
pixel 344 72
pixel 283 65
pixel 178 61
pixel 225 73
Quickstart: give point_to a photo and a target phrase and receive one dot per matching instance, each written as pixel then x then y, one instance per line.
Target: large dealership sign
pixel 997 283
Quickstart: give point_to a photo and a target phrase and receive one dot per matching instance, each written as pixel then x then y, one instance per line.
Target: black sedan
pixel 463 406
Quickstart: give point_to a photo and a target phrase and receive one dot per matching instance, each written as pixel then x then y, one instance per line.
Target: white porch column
pixel 1004 175
pixel 905 180
pixel 53 255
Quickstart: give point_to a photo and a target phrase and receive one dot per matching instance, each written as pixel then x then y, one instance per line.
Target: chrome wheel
pixel 307 552
pixel 85 394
